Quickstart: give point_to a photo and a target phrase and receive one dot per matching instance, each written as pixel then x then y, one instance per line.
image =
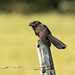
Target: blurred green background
pixel 18 41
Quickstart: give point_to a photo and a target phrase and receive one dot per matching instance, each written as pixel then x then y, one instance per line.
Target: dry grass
pixel 18 42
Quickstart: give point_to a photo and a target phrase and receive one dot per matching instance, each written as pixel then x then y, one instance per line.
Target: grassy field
pixel 18 42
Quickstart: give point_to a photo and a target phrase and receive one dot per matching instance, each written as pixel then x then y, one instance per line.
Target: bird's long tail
pixel 57 43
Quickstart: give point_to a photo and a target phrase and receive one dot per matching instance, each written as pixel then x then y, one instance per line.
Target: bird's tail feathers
pixel 57 43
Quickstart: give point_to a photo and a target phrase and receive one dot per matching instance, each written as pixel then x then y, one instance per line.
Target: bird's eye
pixel 39 22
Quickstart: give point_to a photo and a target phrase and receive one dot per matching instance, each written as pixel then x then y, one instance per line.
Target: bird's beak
pixel 31 24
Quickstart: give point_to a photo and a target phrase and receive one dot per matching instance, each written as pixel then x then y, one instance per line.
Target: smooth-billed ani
pixel 45 35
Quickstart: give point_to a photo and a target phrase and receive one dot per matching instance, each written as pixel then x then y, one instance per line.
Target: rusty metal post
pixel 45 59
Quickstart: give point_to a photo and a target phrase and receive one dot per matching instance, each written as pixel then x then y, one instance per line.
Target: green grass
pixel 18 42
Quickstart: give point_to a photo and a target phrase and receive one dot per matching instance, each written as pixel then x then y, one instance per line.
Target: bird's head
pixel 34 23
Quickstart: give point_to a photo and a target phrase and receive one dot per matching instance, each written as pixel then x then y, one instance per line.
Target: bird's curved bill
pixel 31 24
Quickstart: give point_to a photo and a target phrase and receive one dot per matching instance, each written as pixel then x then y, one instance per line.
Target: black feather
pixel 57 43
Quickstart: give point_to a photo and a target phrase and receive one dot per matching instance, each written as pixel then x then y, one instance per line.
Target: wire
pixel 64 70
pixel 32 68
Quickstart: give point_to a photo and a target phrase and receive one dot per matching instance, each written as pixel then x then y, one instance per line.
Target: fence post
pixel 45 59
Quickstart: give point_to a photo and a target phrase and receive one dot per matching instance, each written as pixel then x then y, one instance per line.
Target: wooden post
pixel 45 59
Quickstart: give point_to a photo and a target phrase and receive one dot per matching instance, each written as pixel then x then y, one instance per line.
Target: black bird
pixel 45 35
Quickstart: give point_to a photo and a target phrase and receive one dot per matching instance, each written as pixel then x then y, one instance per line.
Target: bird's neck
pixel 34 28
